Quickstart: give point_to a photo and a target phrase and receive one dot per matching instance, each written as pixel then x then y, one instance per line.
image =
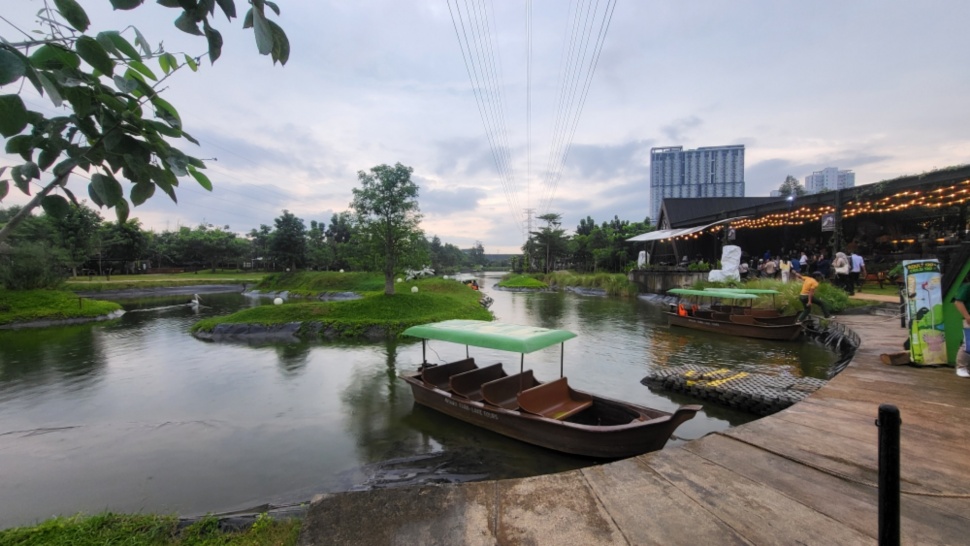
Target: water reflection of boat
pixel 550 414
pixel 731 319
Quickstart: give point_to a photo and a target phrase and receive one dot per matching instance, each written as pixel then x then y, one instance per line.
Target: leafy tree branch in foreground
pixel 116 124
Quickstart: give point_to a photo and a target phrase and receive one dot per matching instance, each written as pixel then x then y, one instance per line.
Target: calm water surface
pixel 138 416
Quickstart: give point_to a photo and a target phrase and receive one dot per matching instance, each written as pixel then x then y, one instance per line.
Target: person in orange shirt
pixel 807 295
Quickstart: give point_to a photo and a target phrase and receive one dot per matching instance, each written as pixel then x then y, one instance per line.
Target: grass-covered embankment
pixel 436 300
pixel 309 283
pixel 613 284
pixel 787 300
pixel 134 282
pixel 32 305
pixel 149 530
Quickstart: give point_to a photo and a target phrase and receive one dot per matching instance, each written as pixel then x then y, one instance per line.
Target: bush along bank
pixel 607 284
pixel 375 316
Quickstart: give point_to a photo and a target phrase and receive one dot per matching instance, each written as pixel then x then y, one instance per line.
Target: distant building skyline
pixel 712 171
pixel 830 178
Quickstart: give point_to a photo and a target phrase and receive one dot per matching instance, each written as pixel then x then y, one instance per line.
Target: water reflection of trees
pixel 375 402
pixel 69 355
pixel 293 357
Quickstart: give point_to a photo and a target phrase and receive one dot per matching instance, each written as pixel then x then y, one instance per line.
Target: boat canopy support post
pixel 562 356
pixel 521 363
pixel 424 353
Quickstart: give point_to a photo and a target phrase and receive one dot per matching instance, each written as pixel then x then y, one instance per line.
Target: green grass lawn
pixel 148 530
pixel 31 305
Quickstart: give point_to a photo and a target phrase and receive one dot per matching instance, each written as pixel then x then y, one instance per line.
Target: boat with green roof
pixel 548 414
pixel 720 310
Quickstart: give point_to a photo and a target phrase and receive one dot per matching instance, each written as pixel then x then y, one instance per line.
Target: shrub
pixel 32 266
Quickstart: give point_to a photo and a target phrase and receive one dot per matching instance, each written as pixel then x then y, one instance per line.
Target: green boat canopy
pixel 745 290
pixel 712 294
pixel 491 335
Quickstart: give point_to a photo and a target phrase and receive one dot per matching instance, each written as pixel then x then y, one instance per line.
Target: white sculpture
pixel 730 259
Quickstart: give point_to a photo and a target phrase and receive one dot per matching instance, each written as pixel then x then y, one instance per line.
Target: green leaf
pixel 65 167
pixel 70 195
pixel 13 115
pixel 94 54
pixel 248 20
pixel 22 145
pixel 126 4
pixel 187 23
pixel 21 181
pixel 48 156
pixel 165 180
pixel 214 39
pixel 107 189
pixel 167 62
pixel 140 67
pixel 141 192
pixel 54 57
pixel 202 179
pixel 169 3
pixel 272 6
pixel 228 7
pixel 190 138
pixel 122 211
pixel 281 44
pixel 50 88
pixel 74 13
pixel 192 64
pixel 264 33
pixel 119 43
pixel 166 111
pixel 12 67
pixel 4 189
pixel 31 170
pixel 55 205
pixel 141 42
pixel 162 128
pixel 125 85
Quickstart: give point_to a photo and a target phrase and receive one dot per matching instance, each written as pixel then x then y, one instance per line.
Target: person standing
pixel 962 303
pixel 785 267
pixel 807 296
pixel 842 269
pixel 857 271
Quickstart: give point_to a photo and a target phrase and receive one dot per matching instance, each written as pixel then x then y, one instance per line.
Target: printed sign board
pixel 924 311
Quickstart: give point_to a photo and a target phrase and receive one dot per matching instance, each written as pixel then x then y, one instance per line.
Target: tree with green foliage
pixel 791 186
pixel 549 243
pixel 123 242
pixel 117 123
pixel 288 241
pixel 386 205
pixel 76 233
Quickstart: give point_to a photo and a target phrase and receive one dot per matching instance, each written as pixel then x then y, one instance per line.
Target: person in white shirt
pixel 858 271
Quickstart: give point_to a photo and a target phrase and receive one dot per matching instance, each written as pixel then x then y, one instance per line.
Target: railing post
pixel 888 423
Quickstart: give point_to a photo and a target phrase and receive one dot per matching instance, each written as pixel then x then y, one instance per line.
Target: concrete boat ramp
pixel 805 475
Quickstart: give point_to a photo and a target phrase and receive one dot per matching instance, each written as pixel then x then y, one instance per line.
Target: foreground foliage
pixel 436 300
pixel 147 530
pixel 31 305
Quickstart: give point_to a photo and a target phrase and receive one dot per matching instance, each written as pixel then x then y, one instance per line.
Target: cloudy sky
pixel 879 87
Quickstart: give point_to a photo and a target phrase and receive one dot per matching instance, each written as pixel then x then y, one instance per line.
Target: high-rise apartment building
pixel 829 179
pixel 714 171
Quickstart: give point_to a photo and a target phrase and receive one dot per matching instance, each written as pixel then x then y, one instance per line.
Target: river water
pixel 136 415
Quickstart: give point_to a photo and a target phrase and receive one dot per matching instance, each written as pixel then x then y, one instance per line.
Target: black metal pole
pixel 888 423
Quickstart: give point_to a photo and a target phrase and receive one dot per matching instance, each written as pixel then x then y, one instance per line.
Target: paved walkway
pixel 805 475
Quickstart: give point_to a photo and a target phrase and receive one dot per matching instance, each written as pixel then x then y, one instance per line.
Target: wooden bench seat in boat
pixel 469 384
pixel 555 400
pixel 504 392
pixel 439 376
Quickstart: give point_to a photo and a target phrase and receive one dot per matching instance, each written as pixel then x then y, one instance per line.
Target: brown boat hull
pixel 648 429
pixel 781 332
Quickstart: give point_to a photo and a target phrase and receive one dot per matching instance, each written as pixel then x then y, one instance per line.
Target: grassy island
pixel 17 306
pixel 436 299
pixel 513 280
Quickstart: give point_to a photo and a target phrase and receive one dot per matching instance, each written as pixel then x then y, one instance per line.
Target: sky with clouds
pixel 879 87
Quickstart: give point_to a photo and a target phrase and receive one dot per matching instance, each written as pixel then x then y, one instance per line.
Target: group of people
pixel 848 272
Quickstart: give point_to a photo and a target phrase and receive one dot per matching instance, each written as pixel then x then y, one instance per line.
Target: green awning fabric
pixel 712 294
pixel 491 335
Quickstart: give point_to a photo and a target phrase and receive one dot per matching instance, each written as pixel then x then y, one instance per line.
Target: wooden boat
pixel 551 414
pixel 715 319
pixel 769 315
